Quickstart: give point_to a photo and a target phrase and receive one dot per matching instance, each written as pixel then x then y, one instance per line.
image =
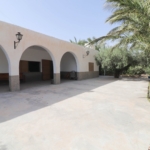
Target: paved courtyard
pixel 95 114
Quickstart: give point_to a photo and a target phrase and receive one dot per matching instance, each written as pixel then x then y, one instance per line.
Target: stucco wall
pixel 55 47
pixel 68 63
pixel 3 63
pixel 35 53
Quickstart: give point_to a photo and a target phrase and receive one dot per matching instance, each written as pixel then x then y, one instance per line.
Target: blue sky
pixel 63 19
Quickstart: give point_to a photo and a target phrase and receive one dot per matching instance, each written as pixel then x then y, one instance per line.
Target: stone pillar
pixel 14 83
pixel 56 79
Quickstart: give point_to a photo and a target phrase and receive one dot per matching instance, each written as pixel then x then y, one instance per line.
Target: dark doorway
pixel 34 66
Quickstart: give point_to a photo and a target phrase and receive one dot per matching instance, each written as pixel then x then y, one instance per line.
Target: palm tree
pixel 82 42
pixel 79 42
pixel 134 29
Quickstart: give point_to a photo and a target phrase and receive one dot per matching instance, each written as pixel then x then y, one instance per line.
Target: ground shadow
pixel 34 96
pixel 4 86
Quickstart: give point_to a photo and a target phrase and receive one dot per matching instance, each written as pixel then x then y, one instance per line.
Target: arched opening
pixel 4 72
pixel 68 67
pixel 36 67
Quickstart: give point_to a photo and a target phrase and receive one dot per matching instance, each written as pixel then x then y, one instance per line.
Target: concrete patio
pixel 95 114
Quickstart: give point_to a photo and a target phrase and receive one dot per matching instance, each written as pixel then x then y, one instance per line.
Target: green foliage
pixel 147 70
pixel 116 59
pixel 133 17
pixel 79 42
pixel 128 62
pixel 86 42
pixel 119 60
pixel 137 70
pixel 108 72
pixel 132 36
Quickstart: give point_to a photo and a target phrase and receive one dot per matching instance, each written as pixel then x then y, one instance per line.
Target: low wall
pixel 68 75
pixel 87 75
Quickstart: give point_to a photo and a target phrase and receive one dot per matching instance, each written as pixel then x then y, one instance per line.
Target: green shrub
pixel 147 70
pixel 108 72
pixel 138 70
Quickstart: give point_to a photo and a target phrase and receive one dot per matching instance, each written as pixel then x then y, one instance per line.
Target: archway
pixel 68 67
pixel 36 65
pixel 4 71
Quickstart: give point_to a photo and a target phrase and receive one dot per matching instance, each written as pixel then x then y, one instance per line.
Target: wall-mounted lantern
pixel 87 53
pixel 19 37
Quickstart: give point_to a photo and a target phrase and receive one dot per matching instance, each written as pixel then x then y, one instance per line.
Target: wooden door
pixel 23 67
pixel 51 69
pixel 46 70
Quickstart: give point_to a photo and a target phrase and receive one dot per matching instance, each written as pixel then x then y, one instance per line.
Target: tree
pixel 118 60
pixel 84 42
pixel 79 42
pixel 134 29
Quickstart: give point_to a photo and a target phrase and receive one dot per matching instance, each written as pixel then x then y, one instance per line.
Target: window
pixel 34 66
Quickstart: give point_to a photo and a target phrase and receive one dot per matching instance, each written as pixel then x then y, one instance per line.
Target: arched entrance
pixel 36 65
pixel 68 67
pixel 4 71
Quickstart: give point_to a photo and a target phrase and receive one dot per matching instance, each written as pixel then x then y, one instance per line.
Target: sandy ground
pixel 95 114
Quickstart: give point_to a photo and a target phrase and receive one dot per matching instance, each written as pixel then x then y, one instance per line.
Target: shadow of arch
pixel 31 101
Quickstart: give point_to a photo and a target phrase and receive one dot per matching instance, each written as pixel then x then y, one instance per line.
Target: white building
pixel 41 57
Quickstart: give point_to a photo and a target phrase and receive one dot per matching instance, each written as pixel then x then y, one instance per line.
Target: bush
pixel 108 72
pixel 138 70
pixel 147 70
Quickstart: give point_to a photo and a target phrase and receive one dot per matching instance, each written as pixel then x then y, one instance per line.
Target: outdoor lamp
pixel 87 53
pixel 19 37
